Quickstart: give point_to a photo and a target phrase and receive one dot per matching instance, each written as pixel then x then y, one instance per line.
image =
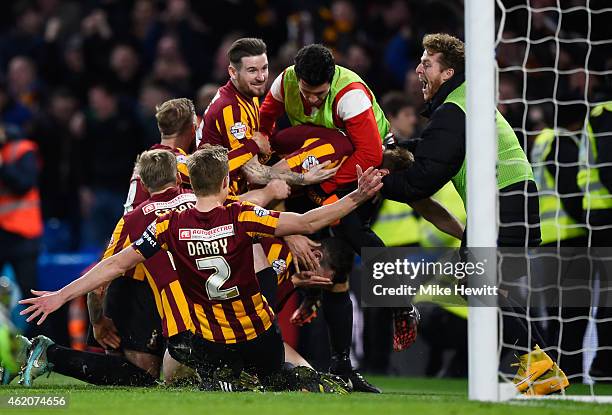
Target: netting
pixel 554 68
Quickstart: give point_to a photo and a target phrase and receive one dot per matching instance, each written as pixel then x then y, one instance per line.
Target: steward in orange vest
pixel 19 198
pixel 20 214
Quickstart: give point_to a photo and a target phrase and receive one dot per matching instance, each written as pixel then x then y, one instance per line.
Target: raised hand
pixel 369 182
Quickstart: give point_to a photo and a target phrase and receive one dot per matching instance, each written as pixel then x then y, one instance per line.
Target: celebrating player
pixel 211 245
pixel 232 121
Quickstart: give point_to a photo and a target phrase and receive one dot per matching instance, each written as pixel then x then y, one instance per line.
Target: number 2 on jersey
pixel 221 274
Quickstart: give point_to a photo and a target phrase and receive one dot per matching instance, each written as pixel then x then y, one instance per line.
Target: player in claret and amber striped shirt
pixel 176 120
pixel 206 242
pixel 232 121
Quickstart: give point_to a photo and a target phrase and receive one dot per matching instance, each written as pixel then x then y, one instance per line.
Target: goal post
pixel 481 159
pixel 540 62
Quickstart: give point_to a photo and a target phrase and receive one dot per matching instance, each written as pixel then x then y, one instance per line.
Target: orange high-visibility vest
pixel 20 214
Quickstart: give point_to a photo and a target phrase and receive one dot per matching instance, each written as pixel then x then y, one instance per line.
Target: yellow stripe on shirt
pixel 244 319
pixel 181 303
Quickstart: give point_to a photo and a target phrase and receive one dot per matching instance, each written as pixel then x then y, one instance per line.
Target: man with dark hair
pixel 232 121
pixel 400 111
pixel 213 243
pixel 317 91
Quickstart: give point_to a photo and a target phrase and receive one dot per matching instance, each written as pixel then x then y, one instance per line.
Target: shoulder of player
pixel 353 88
pixel 227 97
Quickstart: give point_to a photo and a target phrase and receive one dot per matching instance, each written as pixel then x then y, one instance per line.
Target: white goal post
pixel 482 74
pixel 481 157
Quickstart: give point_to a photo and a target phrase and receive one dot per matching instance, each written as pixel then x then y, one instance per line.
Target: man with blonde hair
pixel 440 157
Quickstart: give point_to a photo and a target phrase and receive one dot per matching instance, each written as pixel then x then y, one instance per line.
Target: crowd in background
pixel 82 78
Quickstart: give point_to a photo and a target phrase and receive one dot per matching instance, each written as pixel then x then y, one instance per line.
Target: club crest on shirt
pixel 279 266
pixel 261 212
pixel 310 162
pixel 238 130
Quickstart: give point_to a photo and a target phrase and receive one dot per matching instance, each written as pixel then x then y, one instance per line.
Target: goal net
pixel 553 70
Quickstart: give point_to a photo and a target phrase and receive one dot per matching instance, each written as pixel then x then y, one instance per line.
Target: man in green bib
pixel 318 92
pixel 440 157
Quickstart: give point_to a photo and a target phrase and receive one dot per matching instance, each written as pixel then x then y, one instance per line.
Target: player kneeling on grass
pixel 139 318
pixel 208 242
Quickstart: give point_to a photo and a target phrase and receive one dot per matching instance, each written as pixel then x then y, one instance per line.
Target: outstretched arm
pixel 369 182
pixel 105 271
pixel 437 214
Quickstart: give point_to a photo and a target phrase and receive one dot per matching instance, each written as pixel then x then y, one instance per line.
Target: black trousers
pixel 262 356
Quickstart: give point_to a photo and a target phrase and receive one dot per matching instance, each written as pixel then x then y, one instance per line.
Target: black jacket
pixel 439 156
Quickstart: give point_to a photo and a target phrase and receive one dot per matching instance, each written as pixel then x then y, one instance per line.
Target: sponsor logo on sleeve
pixel 238 130
pixel 152 227
pixel 196 234
pixel 261 212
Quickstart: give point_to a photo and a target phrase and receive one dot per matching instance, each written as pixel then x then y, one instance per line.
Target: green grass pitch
pixel 407 396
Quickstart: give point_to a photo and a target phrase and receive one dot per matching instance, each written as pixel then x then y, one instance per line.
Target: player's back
pixel 213 254
pixel 157 271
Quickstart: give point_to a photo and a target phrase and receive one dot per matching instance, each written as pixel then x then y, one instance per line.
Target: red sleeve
pixel 362 130
pixel 269 112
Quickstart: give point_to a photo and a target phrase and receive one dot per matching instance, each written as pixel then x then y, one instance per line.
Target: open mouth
pixel 423 85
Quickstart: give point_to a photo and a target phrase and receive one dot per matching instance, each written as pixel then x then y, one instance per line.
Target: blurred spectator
pixel 146 28
pixel 23 83
pixel 170 67
pixel 112 139
pixel 25 38
pixel 401 115
pixel 12 111
pixel 125 67
pixel 59 176
pixel 20 218
pixel 205 95
pixel 339 34
pixel 152 95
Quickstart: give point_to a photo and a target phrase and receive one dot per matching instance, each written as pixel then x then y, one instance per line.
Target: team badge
pixel 279 266
pixel 310 162
pixel 259 211
pixel 238 130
